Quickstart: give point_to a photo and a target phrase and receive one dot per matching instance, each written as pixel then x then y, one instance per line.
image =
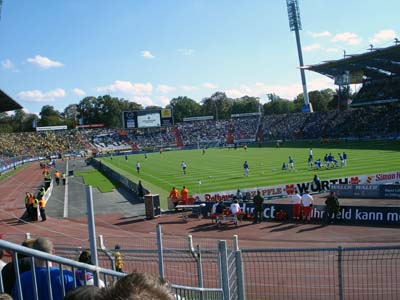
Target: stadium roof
pixel 7 103
pixel 378 63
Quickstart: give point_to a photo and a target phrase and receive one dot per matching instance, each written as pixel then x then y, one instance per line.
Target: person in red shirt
pixel 184 195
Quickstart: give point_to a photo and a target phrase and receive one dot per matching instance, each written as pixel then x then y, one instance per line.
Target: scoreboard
pixel 147 118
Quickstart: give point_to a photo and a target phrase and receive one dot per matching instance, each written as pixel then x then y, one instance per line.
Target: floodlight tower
pixel 295 25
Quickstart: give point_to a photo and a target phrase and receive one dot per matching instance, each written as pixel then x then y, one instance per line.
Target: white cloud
pixel 7 64
pixel 320 34
pixel 39 96
pixel 147 54
pixel 289 91
pixel 163 100
pixel 186 51
pixel 163 88
pixel 349 38
pixel 234 93
pixel 188 88
pixel 312 47
pixel 44 62
pixel 209 85
pixel 127 87
pixel 332 50
pixel 383 36
pixel 78 92
pixel 144 100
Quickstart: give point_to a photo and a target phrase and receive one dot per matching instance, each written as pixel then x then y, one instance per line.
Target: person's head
pixel 85 257
pixel 137 286
pixel 43 244
pixel 258 193
pixel 184 187
pixel 27 243
pixel 86 292
pixel 5 297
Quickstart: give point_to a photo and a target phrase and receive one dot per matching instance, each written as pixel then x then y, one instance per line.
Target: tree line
pixel 108 110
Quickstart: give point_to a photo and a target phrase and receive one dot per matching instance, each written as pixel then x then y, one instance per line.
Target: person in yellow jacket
pixel 34 209
pixel 27 204
pixel 42 206
pixel 119 264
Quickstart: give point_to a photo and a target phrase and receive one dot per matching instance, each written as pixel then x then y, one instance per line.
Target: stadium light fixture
pixel 295 25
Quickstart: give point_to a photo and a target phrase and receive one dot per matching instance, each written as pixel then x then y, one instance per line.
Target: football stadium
pixel 227 198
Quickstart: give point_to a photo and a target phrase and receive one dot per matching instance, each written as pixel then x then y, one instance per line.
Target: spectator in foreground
pixel 8 272
pixel 2 262
pixel 86 257
pixel 27 284
pixel 137 286
pixel 87 292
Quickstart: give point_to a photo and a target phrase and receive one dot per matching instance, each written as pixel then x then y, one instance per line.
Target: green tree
pixel 183 107
pixel 105 109
pixel 5 123
pixel 49 116
pixel 218 105
pixel 153 107
pixel 278 105
pixel 245 104
pixel 320 99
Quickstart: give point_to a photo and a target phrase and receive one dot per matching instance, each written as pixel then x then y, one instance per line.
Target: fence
pixel 331 273
pixel 202 268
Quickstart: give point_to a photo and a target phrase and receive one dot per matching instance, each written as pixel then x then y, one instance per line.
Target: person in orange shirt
pixel 184 195
pixel 174 196
pixel 57 177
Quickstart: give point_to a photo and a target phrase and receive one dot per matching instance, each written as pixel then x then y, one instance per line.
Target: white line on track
pixel 65 215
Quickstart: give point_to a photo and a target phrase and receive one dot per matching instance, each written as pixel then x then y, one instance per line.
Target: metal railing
pixel 227 272
pixel 65 267
pixel 329 273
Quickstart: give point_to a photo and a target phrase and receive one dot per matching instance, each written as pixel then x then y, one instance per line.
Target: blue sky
pixel 55 52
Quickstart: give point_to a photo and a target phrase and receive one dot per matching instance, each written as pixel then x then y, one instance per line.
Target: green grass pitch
pixel 222 169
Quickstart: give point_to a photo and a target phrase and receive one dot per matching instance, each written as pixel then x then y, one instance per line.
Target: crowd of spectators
pixel 153 137
pixel 366 122
pixel 206 131
pixel 48 281
pixel 34 144
pixel 384 89
pixel 245 128
pixel 105 139
pixel 48 142
pixel 363 122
